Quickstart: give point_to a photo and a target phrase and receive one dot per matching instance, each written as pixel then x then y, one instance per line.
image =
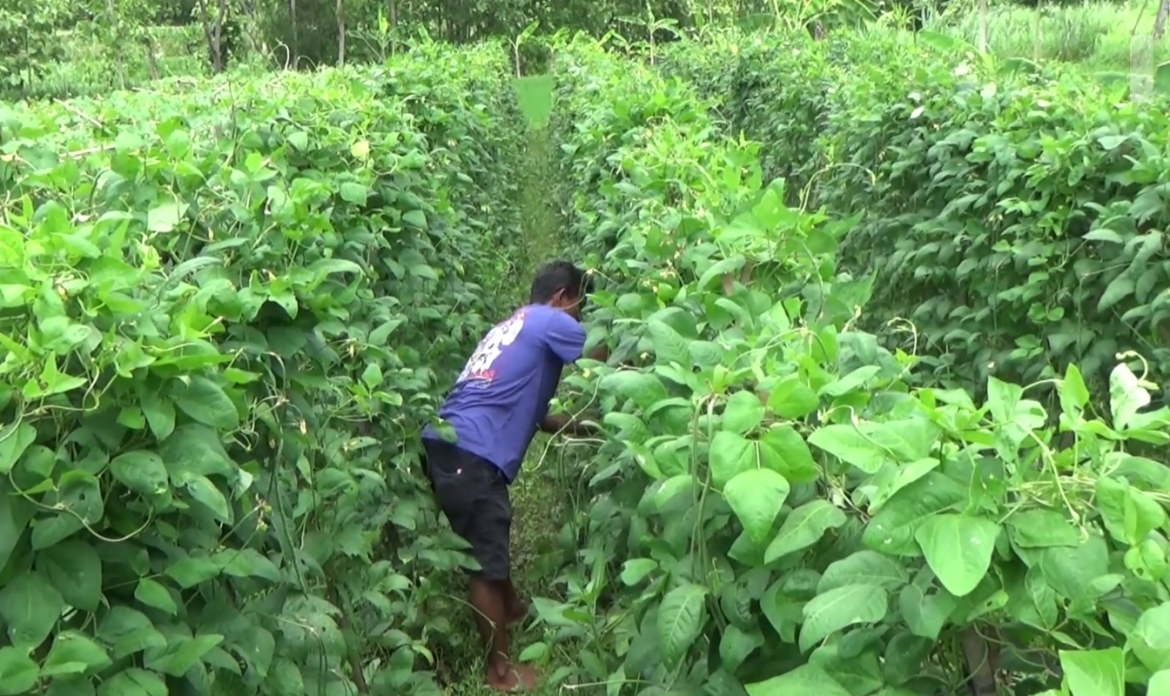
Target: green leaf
pixel 681 616
pixel 925 614
pixel 1003 399
pixel 851 382
pixel 784 451
pixel 74 653
pixel 1120 288
pixel 1072 570
pixel 178 143
pixel 893 478
pixel 644 389
pixel 1042 528
pixel 1126 396
pixel 730 455
pixel 202 489
pixel 286 679
pixel 804 527
pixel 192 570
pixel 141 471
pixel 806 680
pixel 164 218
pixel 1150 638
pixel 892 530
pixel 30 607
pixel 1159 684
pixel 958 549
pixel 182 653
pixel 75 571
pixel 669 345
pixel 18 673
pixel 380 335
pixel 1094 672
pixel 207 403
pixel 133 682
pixel 743 413
pixel 851 445
pixel 635 570
pixel 719 268
pixel 792 398
pixel 864 568
pixel 153 594
pixel 119 622
pixel 247 563
pixel 257 647
pixel 867 445
pixel 372 376
pixel 845 606
pixel 1129 514
pixel 14 440
pixel 736 644
pixel 195 450
pixel 756 496
pixel 853 661
pixel 1074 395
pixel 415 218
pixel 160 413
pixel 353 192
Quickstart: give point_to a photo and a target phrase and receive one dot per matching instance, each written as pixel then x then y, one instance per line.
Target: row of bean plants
pixel 777 508
pixel 226 312
pixel 1015 217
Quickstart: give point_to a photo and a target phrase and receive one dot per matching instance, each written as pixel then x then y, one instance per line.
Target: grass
pixel 541 499
pixel 1094 35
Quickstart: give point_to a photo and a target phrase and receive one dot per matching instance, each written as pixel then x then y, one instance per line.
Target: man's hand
pixel 562 423
pixel 600 352
pixel 553 424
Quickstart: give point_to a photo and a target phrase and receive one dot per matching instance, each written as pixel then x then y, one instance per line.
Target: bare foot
pixel 517 612
pixel 516 678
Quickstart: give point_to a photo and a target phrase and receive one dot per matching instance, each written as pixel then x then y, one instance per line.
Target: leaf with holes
pixel 30 607
pixel 958 549
pixel 74 569
pixel 804 527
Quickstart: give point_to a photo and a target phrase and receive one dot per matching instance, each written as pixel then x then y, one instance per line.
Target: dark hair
pixel 556 276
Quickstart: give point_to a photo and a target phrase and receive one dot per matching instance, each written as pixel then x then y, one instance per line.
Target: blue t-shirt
pixel 503 393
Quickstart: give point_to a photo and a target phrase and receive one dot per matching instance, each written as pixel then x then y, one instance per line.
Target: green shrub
pixel 1013 218
pixel 226 314
pixel 774 508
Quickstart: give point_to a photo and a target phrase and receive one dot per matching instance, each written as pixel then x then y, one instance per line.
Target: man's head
pixel 562 285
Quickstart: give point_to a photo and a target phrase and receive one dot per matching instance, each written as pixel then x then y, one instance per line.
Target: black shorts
pixel 473 493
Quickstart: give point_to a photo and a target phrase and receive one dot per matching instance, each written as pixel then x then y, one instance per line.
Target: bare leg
pixel 490 602
pixel 514 608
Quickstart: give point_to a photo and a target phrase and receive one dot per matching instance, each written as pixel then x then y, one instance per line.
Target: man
pixel 498 403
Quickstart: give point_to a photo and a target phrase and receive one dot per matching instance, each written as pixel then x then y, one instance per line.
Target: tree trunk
pixel 212 34
pixel 151 62
pixel 982 658
pixel 340 32
pixel 1160 19
pixel 116 25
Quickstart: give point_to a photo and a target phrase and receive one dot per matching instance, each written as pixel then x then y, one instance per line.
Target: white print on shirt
pixel 479 367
